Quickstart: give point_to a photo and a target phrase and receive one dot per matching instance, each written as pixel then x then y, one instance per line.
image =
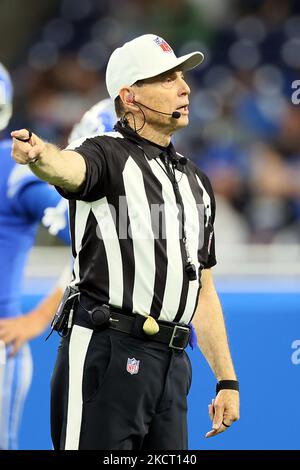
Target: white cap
pixel 144 57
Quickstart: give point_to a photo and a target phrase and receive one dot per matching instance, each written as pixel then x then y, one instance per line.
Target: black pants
pixel 112 391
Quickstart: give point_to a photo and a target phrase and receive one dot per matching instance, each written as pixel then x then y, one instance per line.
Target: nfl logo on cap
pixel 163 44
pixel 132 366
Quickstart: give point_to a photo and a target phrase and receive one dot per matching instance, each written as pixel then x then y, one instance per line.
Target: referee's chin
pixel 182 121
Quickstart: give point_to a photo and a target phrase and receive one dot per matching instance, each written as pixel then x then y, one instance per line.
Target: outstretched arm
pixel 212 340
pixel 66 169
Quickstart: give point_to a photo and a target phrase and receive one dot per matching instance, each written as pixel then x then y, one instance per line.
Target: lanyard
pixel 169 170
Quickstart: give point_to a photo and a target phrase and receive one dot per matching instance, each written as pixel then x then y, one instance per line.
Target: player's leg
pixel 15 380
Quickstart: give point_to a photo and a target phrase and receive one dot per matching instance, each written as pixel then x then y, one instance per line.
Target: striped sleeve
pixel 95 157
pixel 211 260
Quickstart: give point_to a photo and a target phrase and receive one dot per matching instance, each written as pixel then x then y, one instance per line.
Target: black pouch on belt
pixel 99 315
pixel 62 320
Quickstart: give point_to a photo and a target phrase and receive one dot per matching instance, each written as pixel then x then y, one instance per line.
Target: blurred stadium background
pixel 244 133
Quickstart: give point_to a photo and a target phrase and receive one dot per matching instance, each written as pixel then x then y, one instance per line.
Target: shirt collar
pixel 150 149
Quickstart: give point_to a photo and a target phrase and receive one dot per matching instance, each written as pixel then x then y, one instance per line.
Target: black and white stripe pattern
pixel 143 272
pixel 78 347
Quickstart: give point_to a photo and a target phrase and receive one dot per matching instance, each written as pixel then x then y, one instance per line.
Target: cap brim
pixel 188 62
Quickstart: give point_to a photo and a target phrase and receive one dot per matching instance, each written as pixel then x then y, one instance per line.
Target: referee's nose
pixel 184 89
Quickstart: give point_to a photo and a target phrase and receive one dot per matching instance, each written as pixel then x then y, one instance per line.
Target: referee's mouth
pixel 183 109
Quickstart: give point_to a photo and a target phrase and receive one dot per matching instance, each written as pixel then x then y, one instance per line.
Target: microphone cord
pixel 177 113
pixel 164 168
pixel 124 120
pixel 189 266
pixel 144 117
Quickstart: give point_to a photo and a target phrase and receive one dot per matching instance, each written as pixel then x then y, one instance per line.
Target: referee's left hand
pixel 223 409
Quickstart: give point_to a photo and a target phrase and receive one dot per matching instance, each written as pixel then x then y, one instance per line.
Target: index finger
pixel 22 134
pixel 214 432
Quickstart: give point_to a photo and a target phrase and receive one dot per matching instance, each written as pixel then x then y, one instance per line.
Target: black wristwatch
pixel 227 384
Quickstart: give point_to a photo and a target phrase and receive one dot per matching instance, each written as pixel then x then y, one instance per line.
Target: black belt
pixel 176 336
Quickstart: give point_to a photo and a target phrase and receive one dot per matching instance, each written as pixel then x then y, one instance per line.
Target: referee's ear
pixel 127 97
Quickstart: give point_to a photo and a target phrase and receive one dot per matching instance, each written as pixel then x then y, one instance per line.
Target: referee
pixel 141 220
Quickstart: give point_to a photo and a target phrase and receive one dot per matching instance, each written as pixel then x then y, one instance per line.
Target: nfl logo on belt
pixel 132 366
pixel 163 44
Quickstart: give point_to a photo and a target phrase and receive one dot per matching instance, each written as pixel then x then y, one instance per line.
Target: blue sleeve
pixel 41 203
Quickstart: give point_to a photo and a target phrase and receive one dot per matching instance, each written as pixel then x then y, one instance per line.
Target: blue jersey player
pixel 25 201
pixel 32 198
pixel 98 119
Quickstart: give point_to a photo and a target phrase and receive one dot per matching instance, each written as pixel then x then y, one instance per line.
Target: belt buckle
pixel 176 328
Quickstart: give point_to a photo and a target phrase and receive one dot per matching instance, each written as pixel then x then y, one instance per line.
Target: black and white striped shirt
pixel 126 228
